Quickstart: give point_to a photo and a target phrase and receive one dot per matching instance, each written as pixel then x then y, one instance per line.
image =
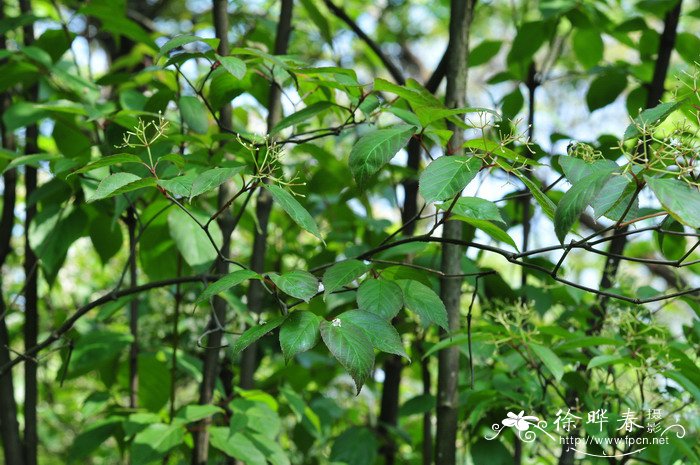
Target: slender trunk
pixel 9 428
pixel 212 363
pixel 133 313
pixel 450 288
pixel 656 90
pixel 31 310
pixel 393 366
pixel 526 205
pixel 427 449
pixel 264 202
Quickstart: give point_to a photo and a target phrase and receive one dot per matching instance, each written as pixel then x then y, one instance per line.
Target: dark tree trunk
pixel 450 288
pixel 212 363
pixel 256 293
pixel 31 309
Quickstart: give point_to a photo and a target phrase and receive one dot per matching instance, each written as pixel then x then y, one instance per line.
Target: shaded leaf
pixel 299 333
pixel 225 283
pixel 351 347
pixel 382 334
pixel 254 333
pixel 376 149
pixel 341 274
pixel 300 284
pixel 423 301
pixel 294 209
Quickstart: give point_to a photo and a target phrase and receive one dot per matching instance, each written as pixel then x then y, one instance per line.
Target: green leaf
pixel 588 46
pixel 154 381
pixel 192 241
pixel 341 274
pixel 300 284
pixel 376 149
pixel 549 359
pixel 474 208
pixel 108 161
pixel 484 52
pixel 233 65
pixel 193 412
pixel 605 89
pixel 381 297
pixel 355 446
pixel 650 118
pixel 179 41
pixel 548 207
pixel 236 445
pixel 106 237
pixel 225 283
pixel 31 160
pixel 351 347
pixel 194 114
pixel 154 442
pixel 685 383
pixel 576 169
pixel 447 176
pixel 299 333
pixel 681 201
pixel 607 360
pixel 494 148
pixel 301 115
pixel 254 333
pixel 120 183
pixel 211 179
pixel 489 228
pixel 294 209
pixel 180 186
pixel 688 47
pixel 422 300
pixel 382 334
pixel 575 201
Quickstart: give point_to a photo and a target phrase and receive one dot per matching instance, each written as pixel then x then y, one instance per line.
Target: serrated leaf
pixel 678 199
pixel 300 284
pixel 575 201
pixel 120 183
pixel 351 347
pixel 423 301
pixel 381 297
pixel 382 334
pixel 180 186
pixel 254 333
pixel 299 333
pixel 301 115
pixel 548 207
pixel 194 114
pixel 376 149
pixel 233 65
pixel 474 208
pixel 225 283
pixel 341 274
pixel 179 41
pixel 211 179
pixel 650 118
pixel 108 161
pixel 447 176
pixel 549 359
pixel 294 209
